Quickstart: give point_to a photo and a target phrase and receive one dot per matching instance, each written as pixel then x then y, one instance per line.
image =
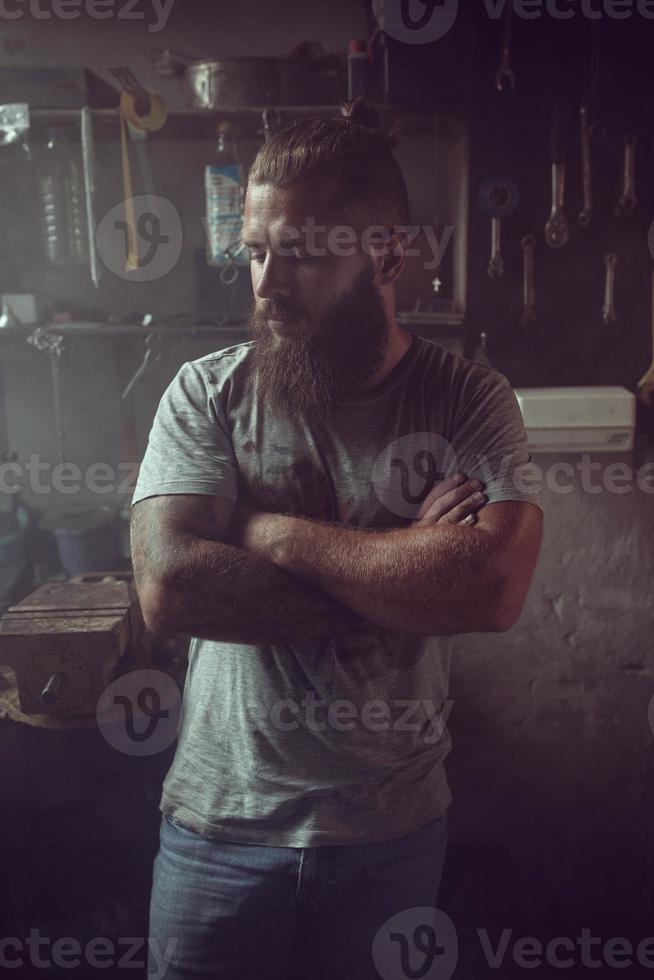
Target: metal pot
pixel 238 82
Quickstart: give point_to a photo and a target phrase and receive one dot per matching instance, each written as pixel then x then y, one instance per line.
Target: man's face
pixel 318 317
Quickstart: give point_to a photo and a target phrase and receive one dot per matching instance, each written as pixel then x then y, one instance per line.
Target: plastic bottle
pixel 61 188
pixel 224 193
pixel 359 72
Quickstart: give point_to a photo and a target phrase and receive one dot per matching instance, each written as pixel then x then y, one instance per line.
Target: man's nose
pixel 273 280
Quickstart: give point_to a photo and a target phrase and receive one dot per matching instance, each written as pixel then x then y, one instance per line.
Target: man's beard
pixel 309 369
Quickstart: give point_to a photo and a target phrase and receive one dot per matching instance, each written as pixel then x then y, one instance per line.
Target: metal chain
pixel 53 343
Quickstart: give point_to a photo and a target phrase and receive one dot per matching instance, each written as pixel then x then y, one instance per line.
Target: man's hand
pixel 452 501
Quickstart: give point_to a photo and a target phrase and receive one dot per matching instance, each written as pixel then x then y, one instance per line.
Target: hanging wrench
pixel 627 201
pixel 608 310
pixel 498 197
pixel 528 249
pixel 586 173
pixel 505 72
pixel 557 231
pixel 496 262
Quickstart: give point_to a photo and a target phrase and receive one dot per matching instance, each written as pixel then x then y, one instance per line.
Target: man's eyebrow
pixel 294 240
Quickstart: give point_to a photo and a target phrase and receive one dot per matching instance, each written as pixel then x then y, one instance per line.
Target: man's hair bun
pixel 363 112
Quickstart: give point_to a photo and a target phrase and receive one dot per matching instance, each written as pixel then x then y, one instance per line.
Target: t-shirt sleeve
pixel 189 447
pixel 490 442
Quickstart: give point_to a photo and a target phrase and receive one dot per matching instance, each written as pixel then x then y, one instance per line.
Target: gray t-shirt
pixel 342 740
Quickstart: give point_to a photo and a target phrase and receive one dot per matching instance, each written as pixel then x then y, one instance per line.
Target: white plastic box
pixel 578 419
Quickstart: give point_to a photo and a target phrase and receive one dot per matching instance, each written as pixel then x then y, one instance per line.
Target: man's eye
pixel 257 257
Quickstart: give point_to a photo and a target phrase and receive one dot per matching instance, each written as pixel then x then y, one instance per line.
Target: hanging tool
pixel 585 214
pixel 88 164
pixel 557 231
pixel 152 353
pixel 626 203
pixel 608 309
pixel 141 112
pixel 498 197
pixel 505 74
pixel 528 250
pixel 645 389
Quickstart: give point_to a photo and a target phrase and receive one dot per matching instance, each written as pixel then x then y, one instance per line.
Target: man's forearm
pixel 219 592
pixel 432 579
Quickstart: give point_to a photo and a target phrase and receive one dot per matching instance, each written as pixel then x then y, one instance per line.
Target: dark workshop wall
pixel 569 344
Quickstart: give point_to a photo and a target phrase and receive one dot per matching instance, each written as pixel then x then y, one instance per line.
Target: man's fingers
pixel 452 495
pixel 463 510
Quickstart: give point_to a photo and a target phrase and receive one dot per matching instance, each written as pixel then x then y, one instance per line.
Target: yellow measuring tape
pixel 150 123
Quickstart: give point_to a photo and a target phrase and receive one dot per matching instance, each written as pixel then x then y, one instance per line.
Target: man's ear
pixel 393 260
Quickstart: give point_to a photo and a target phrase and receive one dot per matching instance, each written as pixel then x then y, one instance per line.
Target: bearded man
pixel 310 511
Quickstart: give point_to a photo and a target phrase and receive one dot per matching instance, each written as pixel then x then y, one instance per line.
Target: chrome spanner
pixel 586 172
pixel 608 309
pixel 626 203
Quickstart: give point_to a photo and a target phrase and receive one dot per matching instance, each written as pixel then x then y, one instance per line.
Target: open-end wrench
pixel 528 250
pixel 505 74
pixel 608 309
pixel 557 230
pixel 497 197
pixel 626 203
pixel 586 172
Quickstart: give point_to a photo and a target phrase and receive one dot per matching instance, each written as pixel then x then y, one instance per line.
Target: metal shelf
pixel 200 123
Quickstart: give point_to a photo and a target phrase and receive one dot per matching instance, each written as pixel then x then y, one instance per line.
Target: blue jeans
pixel 252 912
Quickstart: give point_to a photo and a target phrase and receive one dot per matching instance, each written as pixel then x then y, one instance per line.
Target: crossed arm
pixel 253 577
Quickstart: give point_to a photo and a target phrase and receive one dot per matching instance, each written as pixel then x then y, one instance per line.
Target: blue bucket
pixel 87 538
